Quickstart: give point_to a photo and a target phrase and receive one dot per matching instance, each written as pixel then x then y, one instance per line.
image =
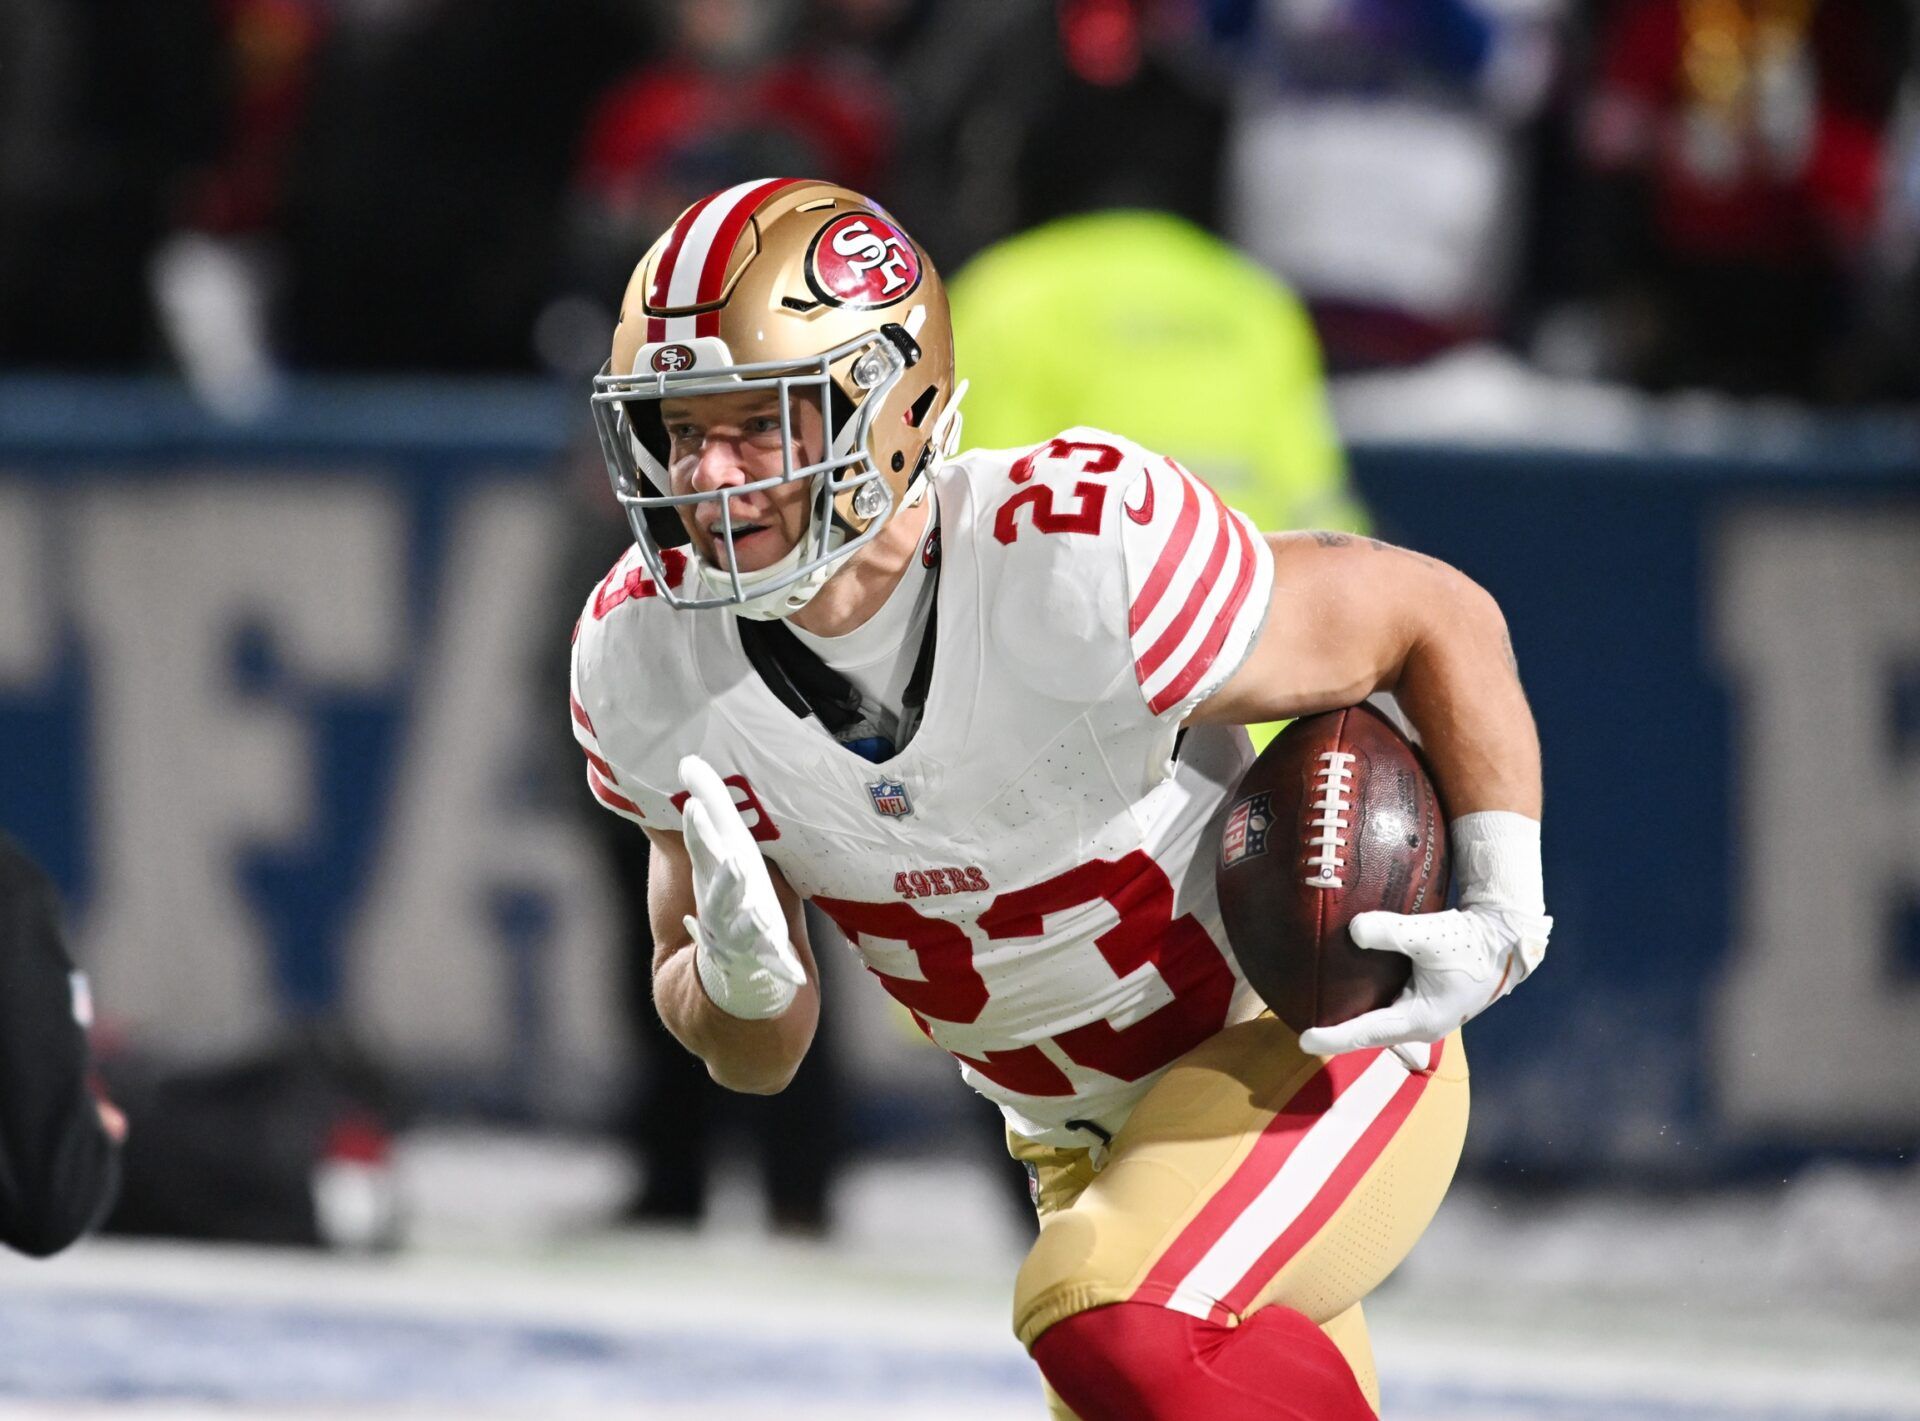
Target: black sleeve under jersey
pixel 58 1169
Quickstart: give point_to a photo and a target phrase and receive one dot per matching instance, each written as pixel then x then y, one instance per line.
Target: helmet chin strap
pixel 778 602
pixel 944 437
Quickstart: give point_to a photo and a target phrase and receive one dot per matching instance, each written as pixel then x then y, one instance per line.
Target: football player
pixel 985 710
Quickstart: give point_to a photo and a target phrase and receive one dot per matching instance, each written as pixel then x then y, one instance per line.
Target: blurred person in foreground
pixel 985 712
pixel 59 1141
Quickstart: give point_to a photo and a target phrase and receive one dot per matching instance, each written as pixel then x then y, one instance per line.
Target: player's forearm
pixel 1460 686
pixel 754 1057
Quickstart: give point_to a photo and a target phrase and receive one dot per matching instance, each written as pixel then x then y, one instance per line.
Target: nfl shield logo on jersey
pixel 890 798
pixel 1245 834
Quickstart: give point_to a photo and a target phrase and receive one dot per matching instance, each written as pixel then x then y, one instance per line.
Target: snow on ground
pixel 513 1300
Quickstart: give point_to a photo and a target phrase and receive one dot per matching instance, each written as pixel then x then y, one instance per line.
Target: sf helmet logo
pixel 672 357
pixel 861 259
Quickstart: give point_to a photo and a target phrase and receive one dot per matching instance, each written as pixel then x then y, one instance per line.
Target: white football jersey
pixel 1032 876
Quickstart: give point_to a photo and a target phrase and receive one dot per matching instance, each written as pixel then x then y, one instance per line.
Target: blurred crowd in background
pixel 1719 194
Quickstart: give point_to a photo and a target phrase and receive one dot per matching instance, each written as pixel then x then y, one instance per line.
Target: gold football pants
pixel 1250 1174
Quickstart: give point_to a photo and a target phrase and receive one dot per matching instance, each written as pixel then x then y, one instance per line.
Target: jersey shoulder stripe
pixel 1178 541
pixel 1198 576
pixel 1196 565
pixel 611 797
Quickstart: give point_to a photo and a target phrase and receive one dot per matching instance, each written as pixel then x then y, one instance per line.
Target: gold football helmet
pixel 794 286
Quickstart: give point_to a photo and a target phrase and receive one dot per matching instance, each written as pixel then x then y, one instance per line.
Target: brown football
pixel 1338 816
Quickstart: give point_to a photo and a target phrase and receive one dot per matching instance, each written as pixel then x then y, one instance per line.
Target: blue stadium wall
pixel 277 708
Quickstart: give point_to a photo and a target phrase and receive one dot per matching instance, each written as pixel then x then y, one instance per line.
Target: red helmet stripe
pixel 663 273
pixel 713 274
pixel 693 267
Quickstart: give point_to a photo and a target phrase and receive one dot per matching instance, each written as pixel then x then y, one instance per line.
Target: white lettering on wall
pixel 26 621
pixel 190 770
pixel 431 972
pixel 1816 612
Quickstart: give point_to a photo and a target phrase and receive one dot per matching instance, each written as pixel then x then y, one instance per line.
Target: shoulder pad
pixel 1120 557
pixel 1048 537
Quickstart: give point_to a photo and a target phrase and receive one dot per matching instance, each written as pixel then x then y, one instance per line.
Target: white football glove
pixel 740 945
pixel 1465 959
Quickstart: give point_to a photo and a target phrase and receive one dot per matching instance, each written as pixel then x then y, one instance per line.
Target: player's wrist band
pixel 1496 860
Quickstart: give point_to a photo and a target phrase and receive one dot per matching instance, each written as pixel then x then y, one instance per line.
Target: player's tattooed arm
pixel 1329 539
pixel 1341 540
pixel 1350 616
pixel 758 1057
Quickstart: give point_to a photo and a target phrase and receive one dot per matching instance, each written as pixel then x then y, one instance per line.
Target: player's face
pixel 722 441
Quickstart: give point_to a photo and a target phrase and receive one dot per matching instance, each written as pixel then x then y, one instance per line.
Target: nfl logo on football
pixel 890 798
pixel 1246 832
